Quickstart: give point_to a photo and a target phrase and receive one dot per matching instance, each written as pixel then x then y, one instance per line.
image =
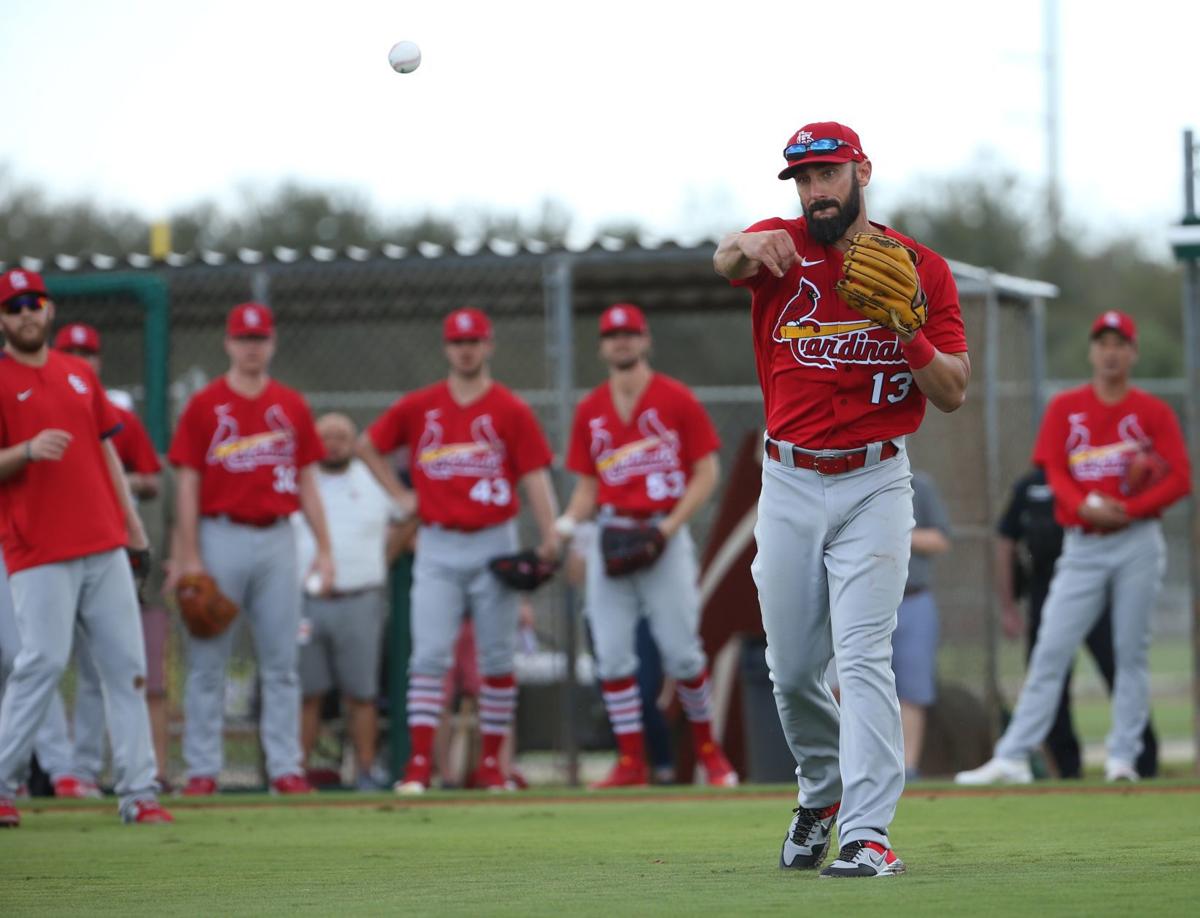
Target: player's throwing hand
pixel 49 445
pixel 774 249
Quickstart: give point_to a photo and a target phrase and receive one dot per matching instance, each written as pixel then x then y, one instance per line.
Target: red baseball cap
pixel 17 281
pixel 250 320
pixel 623 317
pixel 466 325
pixel 77 337
pixel 848 147
pixel 1120 322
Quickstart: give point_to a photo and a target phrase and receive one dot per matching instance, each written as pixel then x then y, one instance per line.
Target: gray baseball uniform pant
pixel 831 566
pixel 98 592
pixel 51 743
pixel 1125 568
pixel 88 717
pixel 256 568
pixel 450 575
pixel 666 593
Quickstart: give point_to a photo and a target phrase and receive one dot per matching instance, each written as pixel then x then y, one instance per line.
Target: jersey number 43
pixel 491 491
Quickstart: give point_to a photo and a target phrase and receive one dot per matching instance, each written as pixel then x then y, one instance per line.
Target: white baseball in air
pixel 405 56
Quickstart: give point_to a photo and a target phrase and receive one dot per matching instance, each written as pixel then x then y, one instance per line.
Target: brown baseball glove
pixel 626 550
pixel 205 610
pixel 879 279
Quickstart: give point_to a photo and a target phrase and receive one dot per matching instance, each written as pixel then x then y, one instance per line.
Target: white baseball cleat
pixel 409 788
pixel 1116 770
pixel 997 771
pixel 864 859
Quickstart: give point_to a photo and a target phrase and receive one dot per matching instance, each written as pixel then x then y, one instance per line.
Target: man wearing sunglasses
pixel 836 511
pixel 67 519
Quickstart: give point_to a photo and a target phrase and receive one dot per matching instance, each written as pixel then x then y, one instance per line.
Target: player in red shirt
pixel 67 518
pixel 244 450
pixel 143 470
pixel 835 514
pixel 645 451
pixel 1115 458
pixel 472 441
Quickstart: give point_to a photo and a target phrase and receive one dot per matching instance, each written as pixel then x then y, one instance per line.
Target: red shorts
pixel 463 676
pixel 156 626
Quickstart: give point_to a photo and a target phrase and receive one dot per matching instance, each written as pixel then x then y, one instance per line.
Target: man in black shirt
pixel 1028 542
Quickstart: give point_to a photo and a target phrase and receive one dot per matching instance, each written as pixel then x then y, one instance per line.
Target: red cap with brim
pixel 849 151
pixel 1119 322
pixel 17 282
pixel 623 317
pixel 77 337
pixel 467 325
pixel 250 320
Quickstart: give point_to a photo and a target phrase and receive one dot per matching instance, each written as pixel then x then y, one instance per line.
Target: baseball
pixel 313 584
pixel 1094 500
pixel 405 56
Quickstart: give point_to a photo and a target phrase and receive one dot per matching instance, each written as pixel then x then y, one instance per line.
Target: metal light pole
pixel 1185 241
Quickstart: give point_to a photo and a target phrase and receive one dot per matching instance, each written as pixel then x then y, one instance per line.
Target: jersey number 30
pixel 902 381
pixel 491 491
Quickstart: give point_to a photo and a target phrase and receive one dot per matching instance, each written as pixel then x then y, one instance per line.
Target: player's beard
pixel 29 339
pixel 828 230
pixel 336 466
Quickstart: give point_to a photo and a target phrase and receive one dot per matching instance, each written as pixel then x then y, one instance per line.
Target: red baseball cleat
pixel 417 776
pixel 146 812
pixel 73 788
pixel 9 817
pixel 716 767
pixel 199 786
pixel 291 784
pixel 488 776
pixel 626 773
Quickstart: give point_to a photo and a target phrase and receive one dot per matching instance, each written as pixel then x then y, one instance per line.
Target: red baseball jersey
pixel 1085 445
pixel 248 451
pixel 467 459
pixel 56 511
pixel 134 446
pixel 830 378
pixel 643 466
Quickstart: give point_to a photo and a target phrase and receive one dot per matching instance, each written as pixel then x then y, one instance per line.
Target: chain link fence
pixel 357 329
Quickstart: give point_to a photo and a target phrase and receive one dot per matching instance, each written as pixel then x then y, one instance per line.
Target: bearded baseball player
pixel 67 519
pixel 1115 458
pixel 855 327
pixel 473 441
pixel 245 450
pixel 645 452
pixel 143 470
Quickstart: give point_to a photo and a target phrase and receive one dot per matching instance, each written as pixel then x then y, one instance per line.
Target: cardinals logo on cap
pixel 618 316
pixel 803 137
pixel 78 335
pixel 252 319
pixel 18 280
pixel 463 321
pixel 1112 319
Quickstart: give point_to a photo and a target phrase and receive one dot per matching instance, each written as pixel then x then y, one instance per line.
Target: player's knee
pixel 43 665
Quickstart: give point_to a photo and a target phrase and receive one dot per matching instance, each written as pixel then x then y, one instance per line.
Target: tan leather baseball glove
pixel 879 279
pixel 205 610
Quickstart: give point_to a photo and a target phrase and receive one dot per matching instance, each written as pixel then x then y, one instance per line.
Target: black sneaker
pixel 865 859
pixel 808 838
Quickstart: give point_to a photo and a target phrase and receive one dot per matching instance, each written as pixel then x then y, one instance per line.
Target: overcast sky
pixel 671 114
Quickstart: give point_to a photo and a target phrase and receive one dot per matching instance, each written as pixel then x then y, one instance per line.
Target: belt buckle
pixel 829 465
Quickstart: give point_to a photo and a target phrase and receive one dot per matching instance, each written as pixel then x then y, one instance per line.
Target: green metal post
pixel 399 648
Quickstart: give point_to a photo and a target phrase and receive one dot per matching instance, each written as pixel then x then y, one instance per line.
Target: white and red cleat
pixel 717 769
pixel 72 788
pixel 865 859
pixel 626 773
pixel 146 812
pixel 291 784
pixel 199 786
pixel 9 817
pixel 417 776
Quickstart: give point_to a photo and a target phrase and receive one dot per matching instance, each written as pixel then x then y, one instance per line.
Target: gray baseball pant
pixel 256 568
pixel 1125 568
pixel 450 575
pixel 831 566
pixel 98 592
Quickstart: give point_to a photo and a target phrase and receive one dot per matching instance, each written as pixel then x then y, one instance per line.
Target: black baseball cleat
pixel 865 859
pixel 807 839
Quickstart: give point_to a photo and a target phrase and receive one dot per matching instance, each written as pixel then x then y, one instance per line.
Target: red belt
pixel 831 465
pixel 262 522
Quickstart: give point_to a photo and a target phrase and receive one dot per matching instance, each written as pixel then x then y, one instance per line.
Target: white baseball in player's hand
pixel 405 56
pixel 1094 500
pixel 313 584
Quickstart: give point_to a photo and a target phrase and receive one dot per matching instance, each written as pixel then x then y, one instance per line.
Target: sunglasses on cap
pixel 796 151
pixel 34 302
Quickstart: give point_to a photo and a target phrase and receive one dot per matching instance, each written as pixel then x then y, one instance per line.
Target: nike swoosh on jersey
pixel 805 263
pixel 21 396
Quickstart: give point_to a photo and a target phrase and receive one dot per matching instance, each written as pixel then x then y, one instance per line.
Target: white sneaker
pixel 1116 770
pixel 997 771
pixel 409 788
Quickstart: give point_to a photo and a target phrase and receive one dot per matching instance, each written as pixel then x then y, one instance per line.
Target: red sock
pixel 420 740
pixel 693 694
pixel 491 749
pixel 624 706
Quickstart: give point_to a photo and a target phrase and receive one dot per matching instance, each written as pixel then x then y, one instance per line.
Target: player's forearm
pixel 14 458
pixel 731 262
pixel 1003 551
pixel 543 503
pixel 313 509
pixel 582 505
pixel 944 380
pixel 701 484
pixel 144 486
pixel 382 470
pixel 186 539
pixel 133 522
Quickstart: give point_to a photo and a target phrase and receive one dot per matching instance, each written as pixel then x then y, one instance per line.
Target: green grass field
pixel 1078 851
